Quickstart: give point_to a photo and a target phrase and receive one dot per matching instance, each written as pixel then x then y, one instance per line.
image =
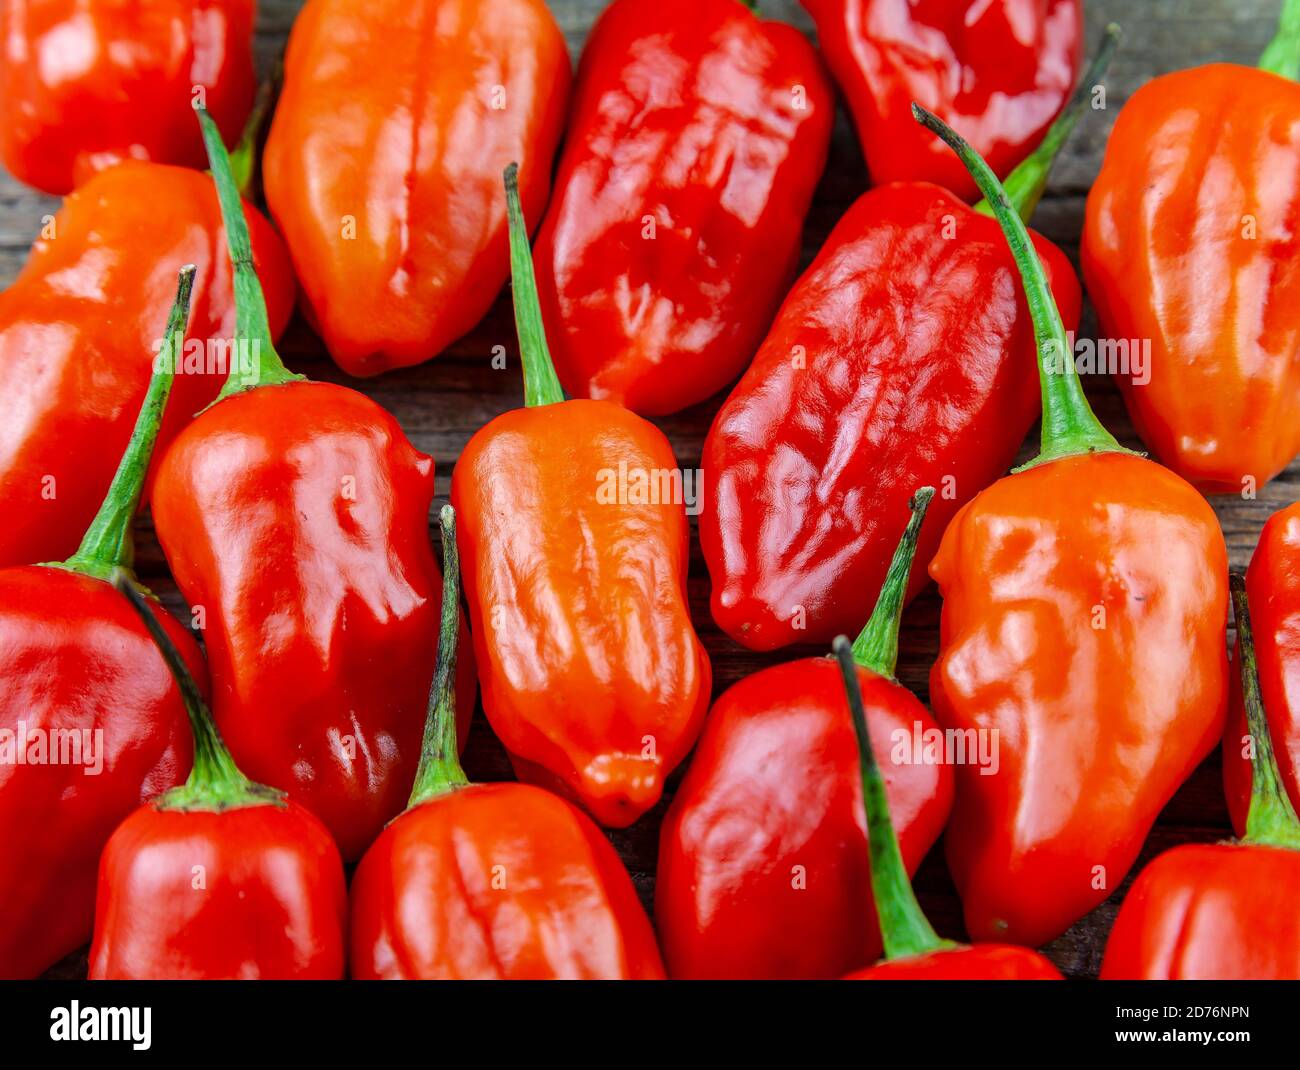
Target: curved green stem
pixel 440 771
pixel 1282 56
pixel 1026 183
pixel 215 782
pixel 541 384
pixel 243 159
pixel 751 4
pixel 107 543
pixel 1069 427
pixel 904 929
pixel 876 648
pixel 252 328
pixel 1271 820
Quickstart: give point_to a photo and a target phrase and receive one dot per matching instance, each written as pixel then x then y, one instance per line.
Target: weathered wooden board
pixel 444 402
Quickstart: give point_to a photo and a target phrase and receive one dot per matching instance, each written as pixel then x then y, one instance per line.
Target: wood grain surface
pixel 442 403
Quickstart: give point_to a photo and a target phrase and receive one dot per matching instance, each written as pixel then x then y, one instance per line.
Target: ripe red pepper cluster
pixel 276 791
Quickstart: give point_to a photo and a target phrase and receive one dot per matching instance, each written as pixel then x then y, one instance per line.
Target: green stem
pixel 1282 56
pixel 541 384
pixel 1026 183
pixel 243 160
pixel 215 782
pixel 440 770
pixel 904 929
pixel 877 647
pixel 752 5
pixel 252 328
pixel 1271 820
pixel 1069 427
pixel 107 543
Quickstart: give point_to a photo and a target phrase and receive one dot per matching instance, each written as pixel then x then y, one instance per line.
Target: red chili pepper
pixel 76 330
pixel 295 514
pixel 90 724
pixel 695 141
pixel 913 951
pixel 1223 911
pixel 220 878
pixel 997 72
pixel 490 881
pixel 901 358
pixel 575 539
pixel 383 166
pixel 762 863
pixel 1084 604
pixel 1273 582
pixel 85 84
pixel 1190 250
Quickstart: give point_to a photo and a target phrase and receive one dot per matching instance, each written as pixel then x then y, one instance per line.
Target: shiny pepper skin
pixel 272 904
pixel 696 119
pixel 296 515
pixel 497 881
pixel 592 673
pixel 85 84
pixel 903 357
pixel 1209 911
pixel 1191 243
pixel 1273 583
pixel 78 330
pixel 982 962
pixel 383 165
pixel 74 656
pixel 763 869
pixel 998 72
pixel 1084 607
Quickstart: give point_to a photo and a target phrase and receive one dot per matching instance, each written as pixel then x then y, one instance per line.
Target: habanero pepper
pixel 296 515
pixel 901 358
pixel 1223 911
pixel 1273 582
pixel 219 878
pixel 490 881
pixel 76 332
pixel 1084 605
pixel 1191 245
pixel 997 72
pixel 85 84
pixel 383 166
pixel 91 725
pixel 592 674
pixel 695 118
pixel 762 864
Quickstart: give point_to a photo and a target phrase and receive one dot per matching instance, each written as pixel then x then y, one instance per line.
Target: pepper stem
pixel 876 648
pixel 1069 427
pixel 440 770
pixel 1271 820
pixel 1026 183
pixel 107 543
pixel 252 327
pixel 541 384
pixel 904 929
pixel 1282 56
pixel 215 782
pixel 243 158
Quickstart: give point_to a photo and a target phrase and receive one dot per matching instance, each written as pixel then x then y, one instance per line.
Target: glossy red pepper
pixel 77 331
pixel 220 878
pixel 383 166
pixel 1082 629
pixel 1273 581
pixel 574 531
pixel 695 141
pixel 762 856
pixel 901 358
pixel 91 725
pixel 1223 911
pixel 490 881
pixel 295 514
pixel 85 84
pixel 997 72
